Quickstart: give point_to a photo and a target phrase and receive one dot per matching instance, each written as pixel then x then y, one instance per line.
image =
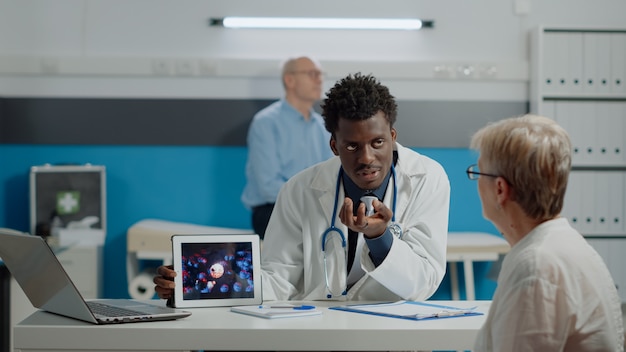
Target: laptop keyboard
pixel 110 311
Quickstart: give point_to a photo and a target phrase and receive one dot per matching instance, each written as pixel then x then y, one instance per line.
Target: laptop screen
pixel 35 268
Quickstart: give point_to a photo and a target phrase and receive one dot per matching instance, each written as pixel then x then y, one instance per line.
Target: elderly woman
pixel 554 291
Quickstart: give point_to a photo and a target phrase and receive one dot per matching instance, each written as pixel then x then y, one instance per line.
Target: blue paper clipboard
pixel 410 310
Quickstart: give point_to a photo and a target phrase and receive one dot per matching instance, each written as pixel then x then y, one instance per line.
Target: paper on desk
pixel 270 312
pixel 412 310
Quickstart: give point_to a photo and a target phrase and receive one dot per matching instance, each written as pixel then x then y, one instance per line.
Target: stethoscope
pixel 335 229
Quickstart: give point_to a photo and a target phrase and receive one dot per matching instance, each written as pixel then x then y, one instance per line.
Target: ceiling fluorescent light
pixel 320 23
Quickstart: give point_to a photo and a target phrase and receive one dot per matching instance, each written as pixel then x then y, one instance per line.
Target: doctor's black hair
pixel 357 97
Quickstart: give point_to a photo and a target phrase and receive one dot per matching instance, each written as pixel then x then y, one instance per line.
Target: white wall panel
pixel 64 35
pixel 40 27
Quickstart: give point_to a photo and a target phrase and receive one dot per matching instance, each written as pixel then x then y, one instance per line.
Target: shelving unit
pixel 578 78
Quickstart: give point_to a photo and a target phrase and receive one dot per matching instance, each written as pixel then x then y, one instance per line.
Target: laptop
pixel 47 285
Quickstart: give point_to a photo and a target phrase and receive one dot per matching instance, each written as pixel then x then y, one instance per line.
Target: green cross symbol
pixel 68 202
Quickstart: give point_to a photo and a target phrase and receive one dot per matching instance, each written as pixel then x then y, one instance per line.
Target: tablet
pixel 216 270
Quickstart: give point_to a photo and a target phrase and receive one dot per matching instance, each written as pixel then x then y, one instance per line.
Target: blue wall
pixel 198 184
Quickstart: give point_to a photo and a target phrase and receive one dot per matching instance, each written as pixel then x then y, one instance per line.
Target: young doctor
pixel 323 242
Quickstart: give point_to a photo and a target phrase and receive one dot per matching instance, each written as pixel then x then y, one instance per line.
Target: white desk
pixel 220 329
pixel 470 247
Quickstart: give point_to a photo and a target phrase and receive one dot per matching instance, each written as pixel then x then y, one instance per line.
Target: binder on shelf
pixel 586 131
pixel 589 63
pixel 603 190
pixel 548 60
pixel 588 223
pixel 411 310
pixel 603 127
pixel 618 63
pixel 574 61
pixel 616 125
pixel 560 62
pixel 572 204
pixel 603 62
pixel 615 204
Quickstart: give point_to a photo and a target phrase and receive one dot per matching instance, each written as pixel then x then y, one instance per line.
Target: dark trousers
pixel 260 217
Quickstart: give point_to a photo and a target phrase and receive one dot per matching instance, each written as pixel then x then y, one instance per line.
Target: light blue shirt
pixel 281 143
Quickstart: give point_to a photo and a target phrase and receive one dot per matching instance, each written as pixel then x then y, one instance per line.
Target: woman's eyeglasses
pixel 473 173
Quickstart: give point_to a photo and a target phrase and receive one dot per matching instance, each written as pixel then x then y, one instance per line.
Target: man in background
pixel 284 138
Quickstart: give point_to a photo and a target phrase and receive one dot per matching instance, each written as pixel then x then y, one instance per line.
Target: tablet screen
pixel 216 270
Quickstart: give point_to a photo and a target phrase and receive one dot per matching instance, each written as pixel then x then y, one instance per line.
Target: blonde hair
pixel 533 153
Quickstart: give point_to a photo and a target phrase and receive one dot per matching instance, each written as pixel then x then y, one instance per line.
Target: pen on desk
pixel 300 307
pixel 447 313
pixel 442 314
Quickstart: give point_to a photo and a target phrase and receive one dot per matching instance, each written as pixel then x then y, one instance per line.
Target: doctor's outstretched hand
pixel 371 226
pixel 164 281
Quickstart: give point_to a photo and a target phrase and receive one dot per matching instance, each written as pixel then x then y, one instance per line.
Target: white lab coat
pixel 291 257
